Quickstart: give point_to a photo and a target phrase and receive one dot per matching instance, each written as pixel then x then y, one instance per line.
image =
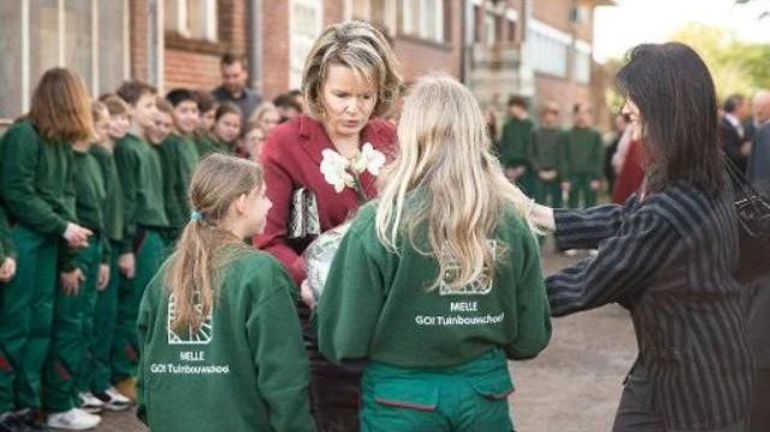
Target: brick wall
pixel 191 70
pixel 138 23
pixel 556 14
pixel 275 47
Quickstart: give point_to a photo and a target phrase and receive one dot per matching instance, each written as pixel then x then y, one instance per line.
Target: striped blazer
pixel 669 260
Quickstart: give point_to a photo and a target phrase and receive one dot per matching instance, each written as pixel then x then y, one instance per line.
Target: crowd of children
pixel 95 196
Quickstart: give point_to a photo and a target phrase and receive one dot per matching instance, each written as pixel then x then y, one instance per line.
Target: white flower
pixel 372 159
pixel 334 168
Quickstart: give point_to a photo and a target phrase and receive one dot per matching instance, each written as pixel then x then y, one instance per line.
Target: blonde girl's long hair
pixel 206 246
pixel 444 153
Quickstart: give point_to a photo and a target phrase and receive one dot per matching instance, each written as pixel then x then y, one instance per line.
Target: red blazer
pixel 631 175
pixel 291 159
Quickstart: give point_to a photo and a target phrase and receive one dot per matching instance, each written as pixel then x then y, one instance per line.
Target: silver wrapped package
pixel 319 256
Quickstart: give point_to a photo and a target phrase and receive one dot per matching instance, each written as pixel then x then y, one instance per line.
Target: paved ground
pixel 573 386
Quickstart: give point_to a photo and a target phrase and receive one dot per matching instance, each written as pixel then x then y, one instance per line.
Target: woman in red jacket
pixel 336 152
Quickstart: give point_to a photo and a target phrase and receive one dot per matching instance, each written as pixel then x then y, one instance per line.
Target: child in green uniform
pixel 82 273
pixel 207 108
pixel 547 155
pixel 99 369
pixel 514 144
pixel 179 157
pixel 220 341
pixel 37 190
pixel 227 130
pixel 584 155
pixel 144 247
pixel 439 281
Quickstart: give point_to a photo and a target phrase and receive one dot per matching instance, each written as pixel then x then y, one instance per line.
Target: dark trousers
pixel 636 412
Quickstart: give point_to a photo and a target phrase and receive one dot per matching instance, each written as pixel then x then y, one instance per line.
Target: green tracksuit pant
pixel 26 312
pixel 581 195
pixel 150 253
pixel 548 193
pixel 104 328
pixel 70 334
pixel 465 398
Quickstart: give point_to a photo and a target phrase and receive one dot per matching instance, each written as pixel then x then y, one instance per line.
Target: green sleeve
pixel 565 156
pixel 6 243
pixel 17 181
pixel 533 312
pixel 353 294
pixel 275 337
pixel 144 325
pixel 169 158
pixel 598 160
pixel 127 164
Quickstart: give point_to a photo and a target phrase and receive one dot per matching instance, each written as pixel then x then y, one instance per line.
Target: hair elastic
pixel 196 216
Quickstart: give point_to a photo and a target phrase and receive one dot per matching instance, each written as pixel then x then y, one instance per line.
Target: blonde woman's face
pixel 348 101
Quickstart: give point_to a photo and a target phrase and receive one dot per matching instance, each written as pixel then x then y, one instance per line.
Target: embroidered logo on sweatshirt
pixel 201 336
pixel 481 286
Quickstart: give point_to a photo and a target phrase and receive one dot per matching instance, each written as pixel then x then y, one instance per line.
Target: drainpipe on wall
pixel 254 30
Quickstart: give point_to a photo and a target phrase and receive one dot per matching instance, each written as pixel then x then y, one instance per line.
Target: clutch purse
pixel 753 210
pixel 303 219
pixel 319 256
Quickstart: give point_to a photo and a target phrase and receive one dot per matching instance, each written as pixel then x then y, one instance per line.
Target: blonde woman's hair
pixel 194 272
pixel 359 46
pixel 445 162
pixel 61 107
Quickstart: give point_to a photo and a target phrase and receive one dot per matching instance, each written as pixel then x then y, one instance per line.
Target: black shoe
pixel 13 422
pixel 31 421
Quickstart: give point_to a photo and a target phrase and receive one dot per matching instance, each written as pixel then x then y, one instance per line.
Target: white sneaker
pixel 571 252
pixel 74 419
pixel 90 403
pixel 113 400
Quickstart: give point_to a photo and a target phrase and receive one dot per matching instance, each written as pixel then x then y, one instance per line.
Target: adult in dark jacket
pixel 732 133
pixel 668 256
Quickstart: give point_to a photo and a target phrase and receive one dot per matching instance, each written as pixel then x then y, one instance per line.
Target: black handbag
pixel 753 211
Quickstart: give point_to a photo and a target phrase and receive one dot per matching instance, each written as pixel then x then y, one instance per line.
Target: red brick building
pixel 539 48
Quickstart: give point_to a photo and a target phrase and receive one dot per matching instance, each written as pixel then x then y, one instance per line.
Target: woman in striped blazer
pixel 667 255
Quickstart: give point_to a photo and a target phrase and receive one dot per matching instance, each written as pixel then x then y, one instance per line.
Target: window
pixel 582 59
pixel 305 18
pixel 384 14
pixel 424 19
pixel 194 19
pixel 87 36
pixel 547 49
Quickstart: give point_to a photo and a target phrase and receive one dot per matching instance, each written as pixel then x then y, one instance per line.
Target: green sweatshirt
pixel 246 368
pixel 114 214
pixel 179 157
pixel 584 153
pixel 6 244
pixel 514 142
pixel 36 180
pixel 90 197
pixel 376 304
pixel 208 144
pixel 547 149
pixel 139 168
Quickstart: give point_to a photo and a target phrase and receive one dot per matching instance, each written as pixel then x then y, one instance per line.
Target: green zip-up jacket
pixel 514 142
pixel 36 180
pixel 179 157
pixel 546 149
pixel 114 213
pixel 245 369
pixel 6 244
pixel 139 168
pixel 584 153
pixel 377 305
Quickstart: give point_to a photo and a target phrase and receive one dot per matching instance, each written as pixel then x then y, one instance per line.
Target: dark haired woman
pixel 667 255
